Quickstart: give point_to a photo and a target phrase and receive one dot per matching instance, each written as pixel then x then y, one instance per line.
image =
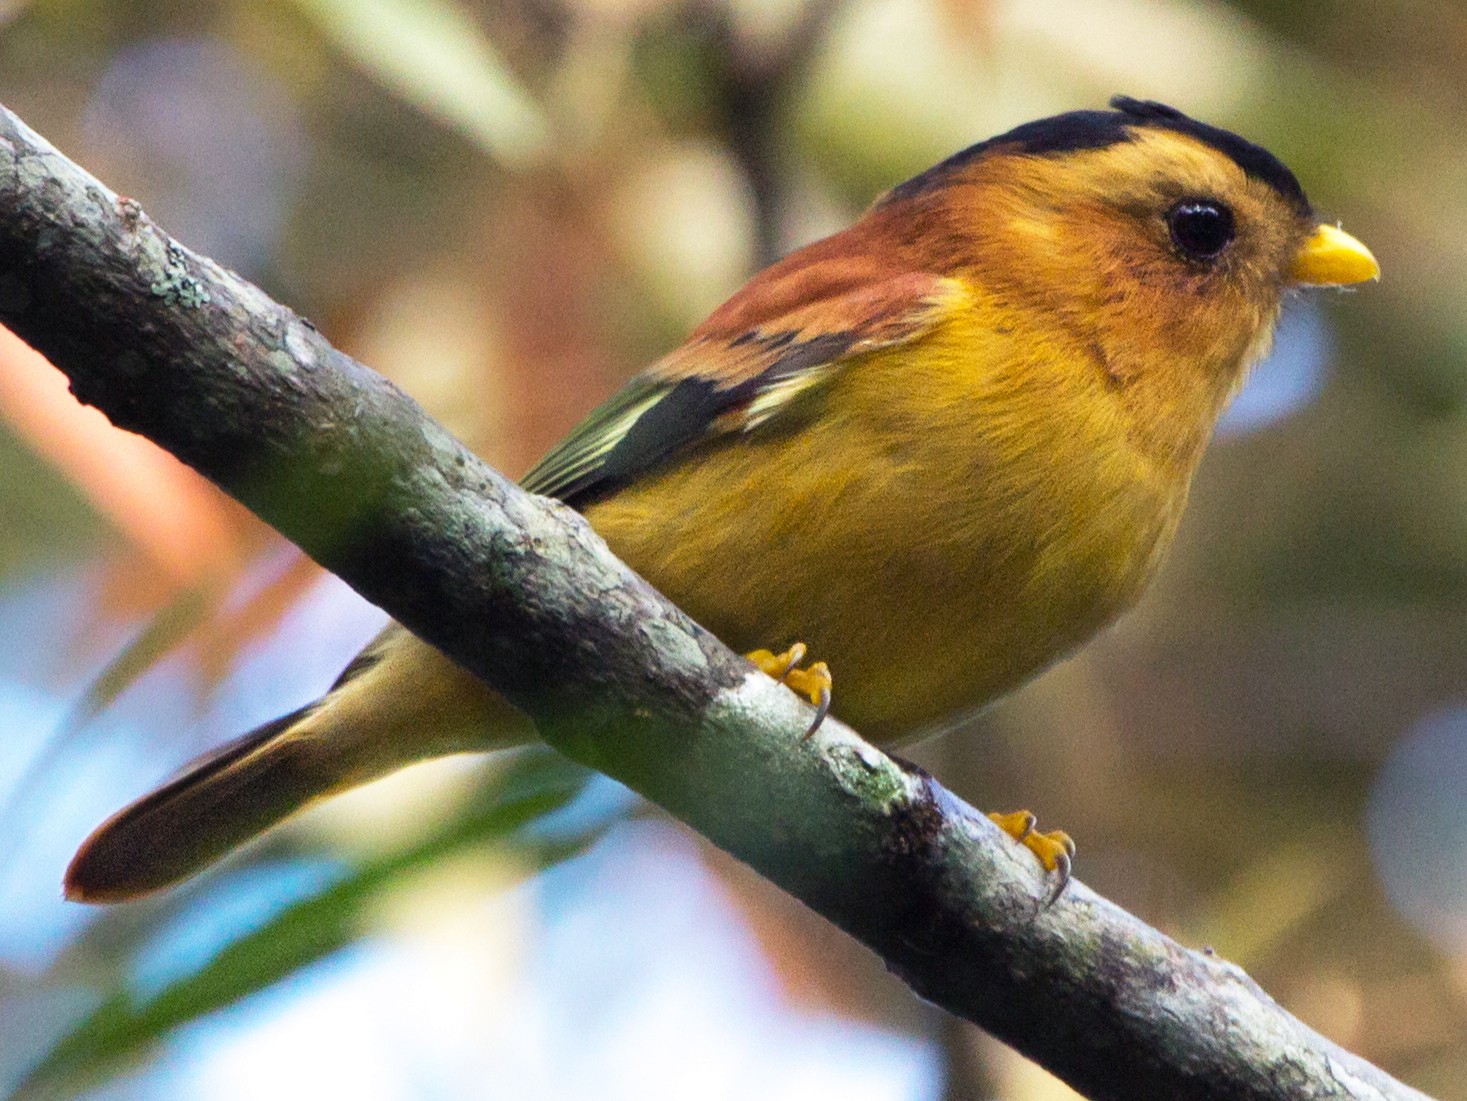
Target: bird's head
pixel 1161 243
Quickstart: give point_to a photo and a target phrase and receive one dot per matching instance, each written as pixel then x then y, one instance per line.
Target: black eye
pixel 1201 228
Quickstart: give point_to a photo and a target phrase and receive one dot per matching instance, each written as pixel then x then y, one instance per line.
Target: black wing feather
pixel 652 419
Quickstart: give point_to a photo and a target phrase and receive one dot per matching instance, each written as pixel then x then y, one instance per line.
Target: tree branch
pixel 520 591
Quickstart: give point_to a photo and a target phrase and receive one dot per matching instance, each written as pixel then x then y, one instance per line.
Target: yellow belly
pixel 940 533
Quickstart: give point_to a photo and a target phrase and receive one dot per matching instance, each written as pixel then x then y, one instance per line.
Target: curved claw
pixel 821 673
pixel 1064 864
pixel 1054 849
pixel 815 683
pixel 791 658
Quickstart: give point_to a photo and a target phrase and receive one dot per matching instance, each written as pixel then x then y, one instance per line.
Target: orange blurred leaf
pixel 182 523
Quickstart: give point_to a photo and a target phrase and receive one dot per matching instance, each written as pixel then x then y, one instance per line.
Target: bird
pixel 938 450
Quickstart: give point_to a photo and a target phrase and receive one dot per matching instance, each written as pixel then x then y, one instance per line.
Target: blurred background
pixel 511 206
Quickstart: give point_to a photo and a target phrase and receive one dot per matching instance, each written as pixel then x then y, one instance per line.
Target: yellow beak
pixel 1332 258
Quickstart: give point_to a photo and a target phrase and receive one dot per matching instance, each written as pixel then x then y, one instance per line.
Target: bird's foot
pixel 814 683
pixel 1055 849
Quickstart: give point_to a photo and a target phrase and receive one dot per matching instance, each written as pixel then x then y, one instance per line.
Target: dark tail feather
pixel 399 701
pixel 218 803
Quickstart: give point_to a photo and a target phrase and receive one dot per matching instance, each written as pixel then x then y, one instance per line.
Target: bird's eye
pixel 1201 228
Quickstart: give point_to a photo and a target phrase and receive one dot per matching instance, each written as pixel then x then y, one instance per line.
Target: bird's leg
pixel 1055 849
pixel 814 683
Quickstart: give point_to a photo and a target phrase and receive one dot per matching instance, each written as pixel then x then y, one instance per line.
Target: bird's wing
pixel 739 369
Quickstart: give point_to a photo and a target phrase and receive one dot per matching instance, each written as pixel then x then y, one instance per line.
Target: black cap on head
pixel 1255 160
pixel 1077 130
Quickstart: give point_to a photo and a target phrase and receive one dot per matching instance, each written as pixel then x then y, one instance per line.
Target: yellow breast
pixel 938 523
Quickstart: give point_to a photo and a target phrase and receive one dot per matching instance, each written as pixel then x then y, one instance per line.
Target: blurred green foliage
pixel 492 822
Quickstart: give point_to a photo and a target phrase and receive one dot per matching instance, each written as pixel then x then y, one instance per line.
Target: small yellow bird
pixel 942 448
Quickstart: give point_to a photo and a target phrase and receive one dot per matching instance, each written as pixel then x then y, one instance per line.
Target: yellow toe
pixel 1055 849
pixel 814 683
pixel 775 665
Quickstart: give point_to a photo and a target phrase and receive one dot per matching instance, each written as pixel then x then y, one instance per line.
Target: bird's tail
pixel 218 803
pixel 400 701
